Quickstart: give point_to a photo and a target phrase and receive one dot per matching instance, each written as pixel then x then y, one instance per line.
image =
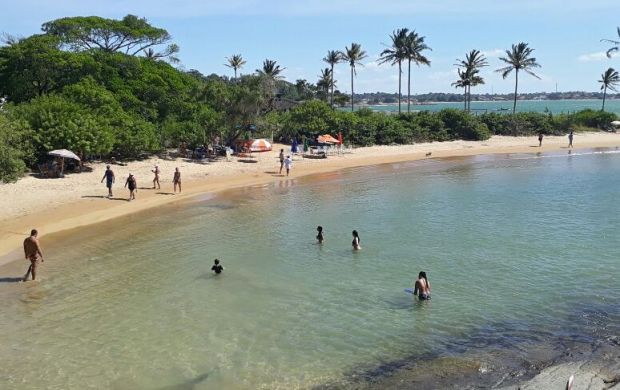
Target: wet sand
pixel 54 205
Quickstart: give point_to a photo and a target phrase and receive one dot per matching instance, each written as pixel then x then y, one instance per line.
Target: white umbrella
pixel 616 123
pixel 63 153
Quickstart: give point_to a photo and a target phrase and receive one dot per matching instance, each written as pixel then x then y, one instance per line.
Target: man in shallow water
pixel 217 267
pixel 422 287
pixel 32 252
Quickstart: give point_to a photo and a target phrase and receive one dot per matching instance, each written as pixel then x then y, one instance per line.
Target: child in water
pixel 217 268
pixel 319 235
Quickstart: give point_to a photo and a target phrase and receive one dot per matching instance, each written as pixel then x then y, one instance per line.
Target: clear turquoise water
pixel 508 242
pixel 554 106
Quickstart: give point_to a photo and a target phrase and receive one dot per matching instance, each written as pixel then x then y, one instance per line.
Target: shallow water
pixel 511 244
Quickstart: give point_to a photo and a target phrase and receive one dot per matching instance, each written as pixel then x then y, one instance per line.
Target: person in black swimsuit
pixel 217 267
pixel 177 179
pixel 319 235
pixel 108 176
pixel 422 287
pixel 281 157
pixel 133 187
pixel 356 241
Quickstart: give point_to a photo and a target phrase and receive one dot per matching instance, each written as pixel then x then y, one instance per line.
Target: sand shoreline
pixel 55 205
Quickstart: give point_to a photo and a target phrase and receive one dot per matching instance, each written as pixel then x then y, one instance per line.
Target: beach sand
pixel 54 205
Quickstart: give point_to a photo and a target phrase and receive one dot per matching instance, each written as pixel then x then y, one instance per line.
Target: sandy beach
pixel 54 205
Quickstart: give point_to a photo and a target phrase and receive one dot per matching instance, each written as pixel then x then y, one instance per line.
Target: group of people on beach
pixel 570 139
pixel 421 287
pixel 132 185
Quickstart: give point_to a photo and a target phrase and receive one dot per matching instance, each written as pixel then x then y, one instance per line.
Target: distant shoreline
pixel 55 205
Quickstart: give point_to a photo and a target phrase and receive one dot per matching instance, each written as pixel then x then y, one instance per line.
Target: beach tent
pixel 63 153
pixel 327 139
pixel 260 145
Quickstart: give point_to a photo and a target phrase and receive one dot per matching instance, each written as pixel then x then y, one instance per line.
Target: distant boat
pixel 503 109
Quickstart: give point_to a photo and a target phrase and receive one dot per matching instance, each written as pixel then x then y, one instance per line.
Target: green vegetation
pixel 105 87
pixel 609 80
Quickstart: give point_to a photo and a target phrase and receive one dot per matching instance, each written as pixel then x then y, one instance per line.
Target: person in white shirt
pixel 288 163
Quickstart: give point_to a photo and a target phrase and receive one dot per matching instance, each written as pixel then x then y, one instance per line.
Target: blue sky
pixel 297 33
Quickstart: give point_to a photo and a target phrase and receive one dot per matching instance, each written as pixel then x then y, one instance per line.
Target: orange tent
pixel 327 139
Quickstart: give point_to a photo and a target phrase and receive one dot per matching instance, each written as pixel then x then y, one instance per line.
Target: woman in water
pixel 319 235
pixel 356 241
pixel 422 287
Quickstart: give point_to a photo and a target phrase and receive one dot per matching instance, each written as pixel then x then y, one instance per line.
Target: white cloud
pixel 493 53
pixel 596 57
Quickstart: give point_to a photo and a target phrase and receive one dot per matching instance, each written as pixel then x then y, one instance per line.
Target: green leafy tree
pixel 609 80
pixel 235 62
pixel 15 148
pixel 325 83
pixel 131 35
pixel 414 49
pixel 469 69
pixel 518 58
pixel 354 56
pixel 396 54
pixel 332 58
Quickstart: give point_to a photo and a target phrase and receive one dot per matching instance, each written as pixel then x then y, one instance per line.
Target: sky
pixel 566 36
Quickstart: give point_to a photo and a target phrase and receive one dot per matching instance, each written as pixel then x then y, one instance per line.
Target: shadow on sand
pixel 189 385
pixel 103 197
pixel 165 193
pixel 11 280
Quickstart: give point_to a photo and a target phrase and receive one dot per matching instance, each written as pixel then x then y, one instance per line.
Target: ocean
pixel 521 251
pixel 553 106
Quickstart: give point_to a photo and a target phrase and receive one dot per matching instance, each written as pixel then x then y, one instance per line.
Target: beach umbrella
pixel 260 145
pixel 327 139
pixel 615 123
pixel 63 153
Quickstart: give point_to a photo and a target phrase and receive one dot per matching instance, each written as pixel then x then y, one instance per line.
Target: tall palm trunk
pixel 604 94
pixel 400 75
pixel 465 99
pixel 469 98
pixel 514 106
pixel 331 98
pixel 409 86
pixel 351 89
pixel 235 73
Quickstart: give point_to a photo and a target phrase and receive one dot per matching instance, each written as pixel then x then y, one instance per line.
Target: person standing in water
pixel 108 176
pixel 356 241
pixel 319 235
pixel 133 187
pixel 217 268
pixel 540 138
pixel 422 287
pixel 177 179
pixel 32 252
pixel 288 163
pixel 156 178
pixel 570 139
pixel 281 157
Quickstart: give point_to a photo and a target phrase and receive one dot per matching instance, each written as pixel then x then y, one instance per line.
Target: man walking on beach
pixel 540 138
pixel 156 178
pixel 32 252
pixel 177 179
pixel 570 139
pixel 108 176
pixel 288 163
pixel 281 157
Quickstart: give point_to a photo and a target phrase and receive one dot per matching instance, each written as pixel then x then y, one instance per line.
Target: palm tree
pixel 616 44
pixel 474 60
pixel 462 82
pixel 325 82
pixel 271 70
pixel 414 47
pixel 332 58
pixel 609 80
pixel 518 58
pixel 236 62
pixel 396 54
pixel 353 55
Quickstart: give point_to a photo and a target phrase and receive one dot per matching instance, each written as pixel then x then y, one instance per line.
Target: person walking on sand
pixel 217 267
pixel 156 178
pixel 32 252
pixel 570 139
pixel 133 187
pixel 109 178
pixel 319 235
pixel 288 163
pixel 281 157
pixel 356 241
pixel 177 180
pixel 422 287
pixel 540 138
